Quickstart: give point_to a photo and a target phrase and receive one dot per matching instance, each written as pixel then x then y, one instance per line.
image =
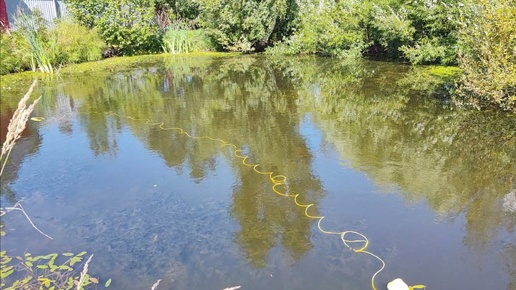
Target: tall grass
pixel 177 40
pixel 42 52
pixel 33 45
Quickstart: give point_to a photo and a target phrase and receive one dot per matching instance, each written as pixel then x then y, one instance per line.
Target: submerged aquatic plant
pixel 46 272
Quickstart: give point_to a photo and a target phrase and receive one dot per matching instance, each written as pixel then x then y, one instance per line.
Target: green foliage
pixel 14 51
pixel 183 41
pixel 488 55
pixel 172 12
pixel 246 25
pixel 333 30
pixel 35 46
pixel 435 38
pixel 52 271
pixel 129 25
pixel 77 43
pixel 387 24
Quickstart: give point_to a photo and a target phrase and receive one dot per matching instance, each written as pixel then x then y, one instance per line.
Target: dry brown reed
pixel 17 125
pixel 84 272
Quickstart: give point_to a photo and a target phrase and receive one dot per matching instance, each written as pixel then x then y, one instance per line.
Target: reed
pixel 176 41
pixel 31 29
pixel 17 125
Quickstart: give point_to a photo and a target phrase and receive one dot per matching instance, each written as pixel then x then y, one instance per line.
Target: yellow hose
pixel 278 180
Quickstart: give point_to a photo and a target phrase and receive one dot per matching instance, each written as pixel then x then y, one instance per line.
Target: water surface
pixel 369 143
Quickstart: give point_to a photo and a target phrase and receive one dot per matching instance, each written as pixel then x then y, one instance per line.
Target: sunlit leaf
pixel 94 280
pixel 28 263
pixel 6 274
pixel 81 254
pixel 26 279
pixel 108 282
pixel 75 260
pixel 42 266
pixel 65 267
pixel 68 254
pixel 37 119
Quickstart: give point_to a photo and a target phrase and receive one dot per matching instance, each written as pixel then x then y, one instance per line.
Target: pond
pixel 370 144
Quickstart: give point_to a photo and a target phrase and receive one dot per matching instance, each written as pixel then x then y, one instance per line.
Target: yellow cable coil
pixel 278 180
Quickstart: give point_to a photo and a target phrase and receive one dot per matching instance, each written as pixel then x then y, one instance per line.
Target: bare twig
pixel 19 207
pixel 84 272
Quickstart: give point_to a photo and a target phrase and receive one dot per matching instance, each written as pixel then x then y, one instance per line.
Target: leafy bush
pixel 332 30
pixel 13 58
pixel 248 25
pixel 488 55
pixel 77 43
pixel 129 25
pixel 435 38
pixel 388 25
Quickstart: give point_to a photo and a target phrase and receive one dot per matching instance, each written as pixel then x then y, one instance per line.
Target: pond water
pixel 370 144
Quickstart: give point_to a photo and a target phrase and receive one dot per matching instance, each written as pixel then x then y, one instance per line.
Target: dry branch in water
pixel 17 125
pixel 19 207
pixel 155 286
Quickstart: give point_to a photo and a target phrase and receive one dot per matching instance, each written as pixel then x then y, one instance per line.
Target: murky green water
pixel 433 189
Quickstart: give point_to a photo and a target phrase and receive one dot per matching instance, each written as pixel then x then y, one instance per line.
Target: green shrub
pixel 129 25
pixel 333 30
pixel 77 43
pixel 488 54
pixel 246 26
pixel 435 38
pixel 13 58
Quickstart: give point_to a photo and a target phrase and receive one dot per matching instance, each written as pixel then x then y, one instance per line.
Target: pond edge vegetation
pixel 478 36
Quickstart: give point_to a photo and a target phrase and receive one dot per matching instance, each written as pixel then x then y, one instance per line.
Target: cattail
pixel 17 124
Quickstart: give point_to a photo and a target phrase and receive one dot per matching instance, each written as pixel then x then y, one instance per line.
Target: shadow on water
pixel 156 204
